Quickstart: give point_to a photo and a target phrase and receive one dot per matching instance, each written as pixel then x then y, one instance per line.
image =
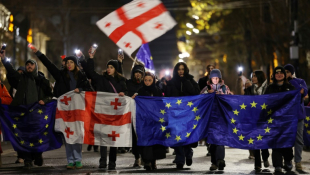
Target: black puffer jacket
pixel 203 82
pixel 182 86
pixel 132 85
pixel 274 88
pixel 62 78
pixel 21 83
pixel 103 82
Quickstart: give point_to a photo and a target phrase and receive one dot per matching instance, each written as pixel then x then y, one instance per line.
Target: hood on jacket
pixel 137 68
pixel 35 71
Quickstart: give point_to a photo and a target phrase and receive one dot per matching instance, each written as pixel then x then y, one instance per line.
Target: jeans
pixel 277 154
pixel 182 152
pixel 299 142
pixel 74 152
pixel 104 154
pixel 257 154
pixel 217 153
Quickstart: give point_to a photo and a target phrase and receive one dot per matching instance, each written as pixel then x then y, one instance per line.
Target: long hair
pixel 75 71
pixel 117 75
pixel 261 77
pixel 176 68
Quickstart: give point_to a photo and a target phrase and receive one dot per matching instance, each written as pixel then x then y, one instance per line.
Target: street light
pixel 188 32
pixel 189 25
pixel 196 31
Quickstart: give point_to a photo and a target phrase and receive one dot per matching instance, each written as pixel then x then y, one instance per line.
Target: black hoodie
pixel 133 85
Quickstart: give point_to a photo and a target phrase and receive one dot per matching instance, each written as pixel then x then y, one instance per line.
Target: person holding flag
pixel 111 81
pixel 70 78
pixel 182 84
pixel 32 87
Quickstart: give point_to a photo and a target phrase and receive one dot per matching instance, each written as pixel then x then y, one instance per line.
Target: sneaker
pixel 278 169
pixel 38 160
pixel 70 166
pixel 103 165
pixel 137 163
pixel 266 164
pixel 189 162
pixel 221 164
pixel 78 165
pixel 213 167
pixel 288 166
pixel 27 165
pixel 19 160
pixel 258 169
pixel 180 166
pixel 112 166
pixel 148 166
pixel 298 166
pixel 89 147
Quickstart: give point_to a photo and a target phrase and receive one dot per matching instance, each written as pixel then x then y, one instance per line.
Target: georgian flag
pixel 137 23
pixel 95 118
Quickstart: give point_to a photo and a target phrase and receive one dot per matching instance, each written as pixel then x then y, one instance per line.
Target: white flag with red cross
pixel 136 23
pixel 95 118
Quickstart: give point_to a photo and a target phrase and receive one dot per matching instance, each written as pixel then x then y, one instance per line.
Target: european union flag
pixel 144 55
pixel 30 128
pixel 307 127
pixel 255 122
pixel 172 121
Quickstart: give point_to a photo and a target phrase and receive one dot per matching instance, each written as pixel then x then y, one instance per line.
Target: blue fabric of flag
pixel 144 55
pixel 30 128
pixel 306 133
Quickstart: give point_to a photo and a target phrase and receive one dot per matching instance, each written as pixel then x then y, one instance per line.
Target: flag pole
pixel 134 61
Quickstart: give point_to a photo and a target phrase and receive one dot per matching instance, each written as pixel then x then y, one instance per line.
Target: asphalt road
pixel 237 162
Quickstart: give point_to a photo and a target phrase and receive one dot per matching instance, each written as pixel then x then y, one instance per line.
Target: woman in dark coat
pixel 151 153
pixel 67 79
pixel 182 84
pixel 111 81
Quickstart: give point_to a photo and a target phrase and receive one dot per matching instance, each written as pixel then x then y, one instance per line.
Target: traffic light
pixel 29 36
pixel 11 25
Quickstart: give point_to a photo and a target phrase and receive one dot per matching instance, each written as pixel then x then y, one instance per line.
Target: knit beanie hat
pixel 113 63
pixel 73 58
pixel 215 73
pixel 290 68
pixel 278 69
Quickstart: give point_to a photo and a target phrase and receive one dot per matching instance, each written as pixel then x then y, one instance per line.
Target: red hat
pixel 63 56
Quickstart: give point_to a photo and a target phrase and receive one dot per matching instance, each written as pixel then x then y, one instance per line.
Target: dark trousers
pixel 29 157
pixel 20 155
pixel 104 155
pixel 257 155
pixel 135 148
pixel 217 153
pixel 277 154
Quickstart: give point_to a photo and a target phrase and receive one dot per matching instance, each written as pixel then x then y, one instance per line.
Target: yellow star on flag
pixel 270 120
pixel 241 137
pixel 190 104
pixel 179 102
pixel 162 128
pixel 16 134
pixel 162 112
pixel 269 112
pixel 235 130
pixel 14 126
pixel 188 134
pixel 22 142
pixel 259 137
pixel 168 135
pixel 308 131
pixel 307 118
pixel 178 138
pixel 31 144
pixel 30 110
pixel 194 127
pixel 233 120
pixel 45 133
pixel 46 117
pixel 306 125
pixel 46 126
pixel 267 130
pixel 195 109
pixel 251 141
pixel 264 106
pixel 197 118
pixel 253 105
pixel 168 105
pixel 161 120
pixel 40 111
pixel 242 106
pixel 40 141
pixel 22 114
pixel 16 118
pixel 236 112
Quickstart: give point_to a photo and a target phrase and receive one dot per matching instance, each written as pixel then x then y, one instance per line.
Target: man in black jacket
pixel 32 87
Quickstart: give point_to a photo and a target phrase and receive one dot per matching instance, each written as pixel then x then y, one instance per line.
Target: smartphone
pixel 3 48
pixel 121 53
pixel 93 48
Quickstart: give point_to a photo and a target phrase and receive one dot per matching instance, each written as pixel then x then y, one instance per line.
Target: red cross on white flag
pixel 137 23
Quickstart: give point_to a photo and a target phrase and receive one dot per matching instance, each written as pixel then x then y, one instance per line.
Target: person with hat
pixel 70 78
pixel 31 87
pixel 110 81
pixel 298 84
pixel 280 84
